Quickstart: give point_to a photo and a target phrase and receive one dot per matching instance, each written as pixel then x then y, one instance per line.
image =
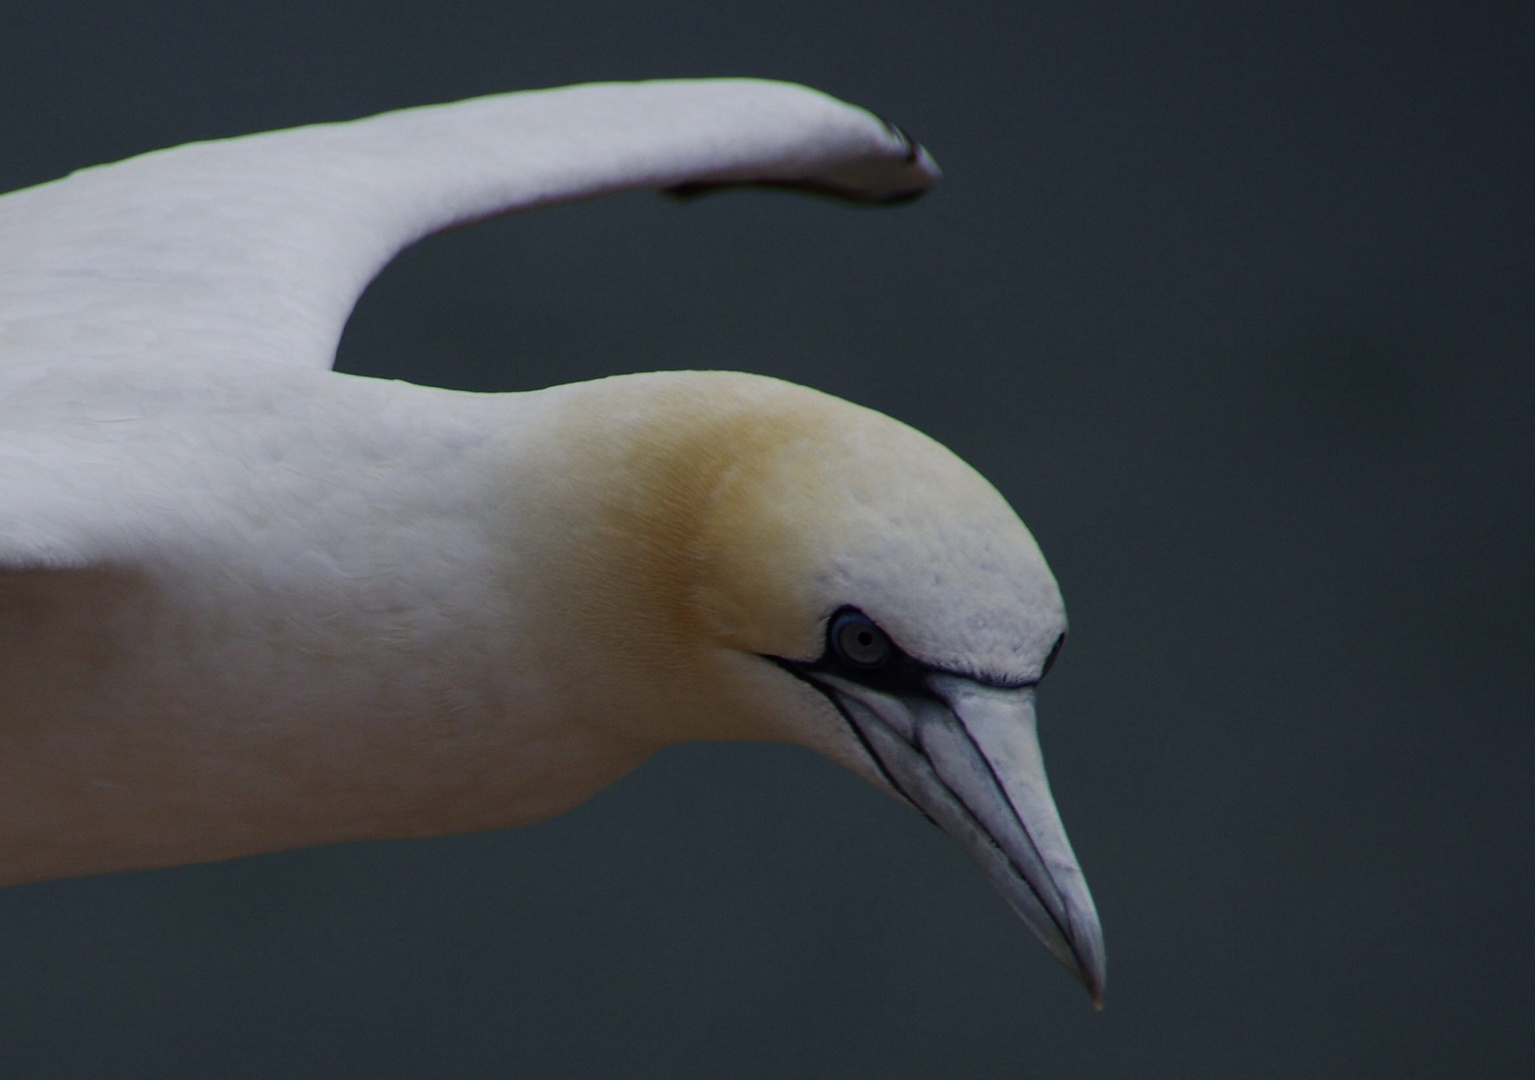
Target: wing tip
pixel 902 172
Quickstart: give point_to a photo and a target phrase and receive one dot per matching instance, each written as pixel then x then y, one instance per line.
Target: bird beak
pixel 968 756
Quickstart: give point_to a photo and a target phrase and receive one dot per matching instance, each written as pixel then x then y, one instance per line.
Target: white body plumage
pixel 247 603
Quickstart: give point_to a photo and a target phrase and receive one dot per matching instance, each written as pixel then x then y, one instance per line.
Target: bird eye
pixel 856 640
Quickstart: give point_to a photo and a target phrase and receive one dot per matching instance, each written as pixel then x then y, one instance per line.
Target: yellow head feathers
pixel 706 519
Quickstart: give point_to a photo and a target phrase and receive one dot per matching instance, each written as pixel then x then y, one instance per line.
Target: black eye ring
pixel 856 641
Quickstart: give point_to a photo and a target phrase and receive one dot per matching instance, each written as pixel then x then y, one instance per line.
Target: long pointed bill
pixel 969 758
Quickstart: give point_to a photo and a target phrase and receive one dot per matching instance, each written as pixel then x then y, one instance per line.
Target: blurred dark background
pixel 1232 301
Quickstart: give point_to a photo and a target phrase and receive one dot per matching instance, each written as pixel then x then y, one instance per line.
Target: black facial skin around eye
pixel 879 663
pixel 890 669
pixel 1055 650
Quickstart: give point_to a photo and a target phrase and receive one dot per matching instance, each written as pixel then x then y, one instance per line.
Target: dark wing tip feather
pixel 823 188
pixel 902 172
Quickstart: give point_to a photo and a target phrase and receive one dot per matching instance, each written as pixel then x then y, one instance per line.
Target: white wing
pixel 255 249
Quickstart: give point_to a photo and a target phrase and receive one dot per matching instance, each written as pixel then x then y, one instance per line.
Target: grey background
pixel 1231 300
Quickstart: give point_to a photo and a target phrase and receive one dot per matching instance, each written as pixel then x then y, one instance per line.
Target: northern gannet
pixel 248 603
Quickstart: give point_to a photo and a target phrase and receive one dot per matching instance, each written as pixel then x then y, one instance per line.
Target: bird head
pixel 735 557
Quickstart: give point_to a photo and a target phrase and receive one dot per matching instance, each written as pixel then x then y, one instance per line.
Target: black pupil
pixel 861 643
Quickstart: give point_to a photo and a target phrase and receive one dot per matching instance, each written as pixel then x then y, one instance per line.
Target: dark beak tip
pixel 1093 982
pixel 1097 991
pixel 1087 964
